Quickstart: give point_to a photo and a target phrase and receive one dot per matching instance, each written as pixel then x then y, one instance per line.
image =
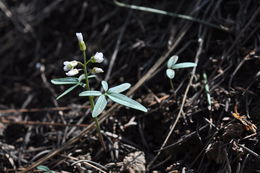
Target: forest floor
pixel 208 122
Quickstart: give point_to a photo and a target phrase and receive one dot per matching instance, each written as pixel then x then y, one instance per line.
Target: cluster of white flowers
pixel 69 66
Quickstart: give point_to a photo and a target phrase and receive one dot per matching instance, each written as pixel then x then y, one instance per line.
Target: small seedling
pixel 73 68
pixel 171 66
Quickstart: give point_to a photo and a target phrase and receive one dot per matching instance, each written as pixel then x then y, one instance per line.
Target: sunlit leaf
pixel 104 85
pixel 120 88
pixel 99 106
pixel 170 73
pixel 90 93
pixel 67 91
pixel 126 101
pixel 172 61
pixel 65 81
pixel 184 65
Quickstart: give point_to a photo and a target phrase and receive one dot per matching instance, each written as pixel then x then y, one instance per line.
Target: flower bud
pixel 98 57
pixel 82 45
pixel 79 36
pixel 97 70
pixel 72 72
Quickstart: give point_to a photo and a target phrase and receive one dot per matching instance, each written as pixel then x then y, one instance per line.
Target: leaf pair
pixel 70 81
pixel 113 94
pixel 171 65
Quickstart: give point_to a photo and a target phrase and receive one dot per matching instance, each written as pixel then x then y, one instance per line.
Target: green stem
pixel 171 83
pixel 91 99
pixel 101 139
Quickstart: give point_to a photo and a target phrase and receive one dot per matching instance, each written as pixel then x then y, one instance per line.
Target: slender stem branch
pixel 171 83
pixel 91 99
pixel 99 134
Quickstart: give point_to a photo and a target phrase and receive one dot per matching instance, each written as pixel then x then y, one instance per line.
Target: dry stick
pixel 113 58
pixel 249 151
pixel 7 111
pixel 243 30
pixel 87 162
pixel 102 118
pixel 246 58
pixel 57 151
pixel 185 138
pixel 182 104
pixel 235 42
pixel 21 25
pixel 227 166
pixel 41 123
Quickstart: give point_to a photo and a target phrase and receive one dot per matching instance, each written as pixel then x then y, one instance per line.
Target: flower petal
pixel 72 72
pixel 79 36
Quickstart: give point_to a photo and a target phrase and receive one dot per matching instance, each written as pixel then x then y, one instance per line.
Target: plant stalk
pixel 91 100
pixel 171 83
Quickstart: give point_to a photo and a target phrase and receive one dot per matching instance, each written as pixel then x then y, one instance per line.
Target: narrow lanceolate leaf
pixel 64 81
pixel 99 106
pixel 120 88
pixel 172 61
pixel 170 73
pixel 184 65
pixel 67 91
pixel 90 93
pixel 126 101
pixel 104 85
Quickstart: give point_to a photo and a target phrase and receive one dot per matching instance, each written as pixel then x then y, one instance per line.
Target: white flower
pixel 72 72
pixel 98 57
pixel 69 65
pixel 97 70
pixel 79 36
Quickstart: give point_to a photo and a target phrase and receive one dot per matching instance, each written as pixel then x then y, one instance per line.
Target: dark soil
pixel 180 132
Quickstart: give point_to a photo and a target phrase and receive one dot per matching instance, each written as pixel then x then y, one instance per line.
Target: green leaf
pixel 90 93
pixel 172 61
pixel 67 91
pixel 43 168
pixel 126 101
pixel 99 106
pixel 184 65
pixel 120 88
pixel 170 73
pixel 104 85
pixel 65 81
pixel 82 77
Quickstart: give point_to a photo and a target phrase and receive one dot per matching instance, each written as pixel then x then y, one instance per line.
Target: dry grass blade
pixel 185 17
